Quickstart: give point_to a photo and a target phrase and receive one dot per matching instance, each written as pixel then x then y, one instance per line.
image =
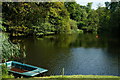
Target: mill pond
pixel 83 54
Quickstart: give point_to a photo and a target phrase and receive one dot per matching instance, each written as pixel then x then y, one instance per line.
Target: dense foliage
pixel 86 18
pixel 109 18
pixel 44 18
pixel 10 51
pixel 36 18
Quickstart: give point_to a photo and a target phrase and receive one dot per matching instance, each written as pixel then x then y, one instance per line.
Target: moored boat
pixel 24 69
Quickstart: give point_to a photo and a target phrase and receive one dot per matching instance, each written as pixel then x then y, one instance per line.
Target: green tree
pixel 115 17
pixel 92 21
pixel 109 17
pixel 104 18
pixel 22 17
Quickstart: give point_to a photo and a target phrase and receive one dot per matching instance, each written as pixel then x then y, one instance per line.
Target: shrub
pixel 9 50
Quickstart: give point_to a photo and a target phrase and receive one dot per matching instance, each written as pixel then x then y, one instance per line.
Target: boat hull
pixel 24 69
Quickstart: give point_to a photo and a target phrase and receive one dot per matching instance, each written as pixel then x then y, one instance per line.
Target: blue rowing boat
pixel 24 69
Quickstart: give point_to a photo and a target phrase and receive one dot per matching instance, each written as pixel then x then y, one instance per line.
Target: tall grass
pixel 5 73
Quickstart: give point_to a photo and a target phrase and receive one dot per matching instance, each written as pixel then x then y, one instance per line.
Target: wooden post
pixel 62 72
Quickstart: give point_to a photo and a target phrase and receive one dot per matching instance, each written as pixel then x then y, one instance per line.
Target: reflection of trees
pixel 114 50
pixel 65 41
pixel 74 40
pixel 89 40
pixel 57 41
pixel 113 46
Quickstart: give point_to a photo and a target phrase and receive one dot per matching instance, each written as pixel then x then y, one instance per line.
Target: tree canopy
pixel 42 18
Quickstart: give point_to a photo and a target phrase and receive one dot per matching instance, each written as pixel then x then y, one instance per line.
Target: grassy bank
pixel 79 76
pixel 72 77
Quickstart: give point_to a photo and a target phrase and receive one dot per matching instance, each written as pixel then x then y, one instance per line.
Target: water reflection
pixel 78 54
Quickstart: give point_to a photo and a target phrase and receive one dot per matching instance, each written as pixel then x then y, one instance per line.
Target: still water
pixel 86 54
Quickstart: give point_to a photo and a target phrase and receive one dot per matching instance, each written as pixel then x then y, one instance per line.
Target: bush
pixel 9 50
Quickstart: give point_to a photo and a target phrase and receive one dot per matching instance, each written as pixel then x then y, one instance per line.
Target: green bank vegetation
pixel 72 77
pixel 5 73
pixel 10 51
pixel 48 18
pixel 80 76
